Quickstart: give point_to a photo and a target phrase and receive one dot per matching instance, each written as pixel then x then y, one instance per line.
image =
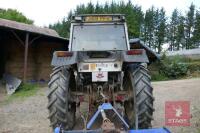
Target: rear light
pixel 64 54
pixel 135 52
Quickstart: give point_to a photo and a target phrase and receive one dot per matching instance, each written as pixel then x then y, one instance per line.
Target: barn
pixel 26 50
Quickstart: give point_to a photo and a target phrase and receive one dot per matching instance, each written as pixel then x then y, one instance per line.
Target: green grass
pixel 25 90
pixel 158 77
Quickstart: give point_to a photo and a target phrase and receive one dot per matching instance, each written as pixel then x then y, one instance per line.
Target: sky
pixel 45 12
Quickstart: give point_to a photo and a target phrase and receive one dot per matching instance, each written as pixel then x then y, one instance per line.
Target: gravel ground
pixel 30 115
pixel 178 90
pixel 25 116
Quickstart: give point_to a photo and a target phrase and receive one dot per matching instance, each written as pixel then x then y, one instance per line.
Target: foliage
pixel 154 72
pixel 189 26
pixel 194 66
pixel 173 28
pixel 62 28
pixel 173 67
pixel 196 33
pixel 14 15
pixel 160 30
pixel 149 27
pixel 180 36
pixel 159 77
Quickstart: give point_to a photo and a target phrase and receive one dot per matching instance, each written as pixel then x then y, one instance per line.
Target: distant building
pixel 26 50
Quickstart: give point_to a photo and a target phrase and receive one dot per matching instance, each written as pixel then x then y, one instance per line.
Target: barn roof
pixel 28 28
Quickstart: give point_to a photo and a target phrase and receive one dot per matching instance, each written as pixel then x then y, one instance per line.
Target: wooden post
pixel 26 55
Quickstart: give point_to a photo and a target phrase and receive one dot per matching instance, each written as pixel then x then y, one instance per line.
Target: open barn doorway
pixel 2 57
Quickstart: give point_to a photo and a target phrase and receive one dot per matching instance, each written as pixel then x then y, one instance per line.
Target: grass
pixel 159 77
pixel 25 90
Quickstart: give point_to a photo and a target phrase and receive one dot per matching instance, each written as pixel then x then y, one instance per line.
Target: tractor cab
pixel 98 33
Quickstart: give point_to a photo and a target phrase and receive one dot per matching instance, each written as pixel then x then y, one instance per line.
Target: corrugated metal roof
pixel 28 28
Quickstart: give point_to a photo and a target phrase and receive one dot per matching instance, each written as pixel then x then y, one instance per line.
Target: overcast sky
pixel 45 12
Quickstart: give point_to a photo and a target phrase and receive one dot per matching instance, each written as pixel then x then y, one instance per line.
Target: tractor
pixel 101 66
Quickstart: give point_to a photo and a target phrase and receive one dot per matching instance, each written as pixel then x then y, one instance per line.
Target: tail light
pixel 64 54
pixel 135 52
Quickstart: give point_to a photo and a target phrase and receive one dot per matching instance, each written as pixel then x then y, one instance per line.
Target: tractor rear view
pixel 100 67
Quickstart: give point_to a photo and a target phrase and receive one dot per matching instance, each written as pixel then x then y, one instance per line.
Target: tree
pixel 62 27
pixel 156 29
pixel 90 8
pixel 106 8
pixel 189 25
pixel 134 18
pixel 113 7
pixel 161 29
pixel 98 8
pixel 149 27
pixel 173 28
pixel 181 33
pixel 139 20
pixel 196 33
pixel 14 15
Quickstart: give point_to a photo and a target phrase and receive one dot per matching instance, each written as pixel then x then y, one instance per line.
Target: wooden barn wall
pixel 14 58
pixel 39 60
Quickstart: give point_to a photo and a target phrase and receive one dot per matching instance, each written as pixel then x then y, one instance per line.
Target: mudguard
pixel 64 61
pixel 135 58
pixel 138 44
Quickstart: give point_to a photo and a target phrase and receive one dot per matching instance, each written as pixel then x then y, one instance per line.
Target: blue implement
pixel 105 106
pixel 156 130
pixel 57 130
pixel 108 106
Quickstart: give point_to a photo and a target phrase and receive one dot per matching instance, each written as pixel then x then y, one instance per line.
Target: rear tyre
pixel 139 109
pixel 61 109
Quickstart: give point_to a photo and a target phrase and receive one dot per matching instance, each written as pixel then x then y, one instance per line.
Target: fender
pixel 136 55
pixel 64 61
pixel 138 44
